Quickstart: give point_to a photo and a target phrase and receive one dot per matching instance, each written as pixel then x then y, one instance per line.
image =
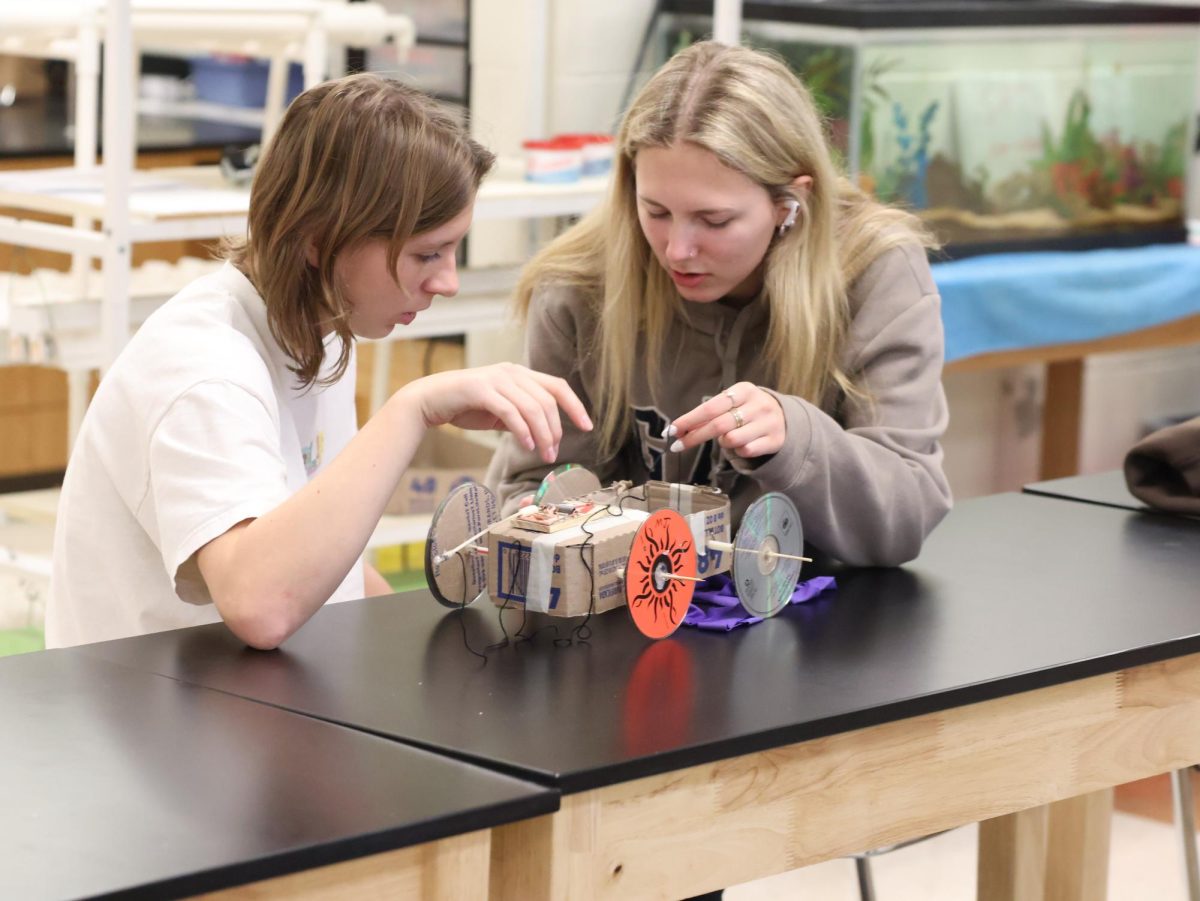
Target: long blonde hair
pixel 356 158
pixel 749 110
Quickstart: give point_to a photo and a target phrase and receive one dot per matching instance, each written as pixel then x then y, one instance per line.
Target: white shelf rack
pixel 112 207
pixel 281 31
pixel 195 203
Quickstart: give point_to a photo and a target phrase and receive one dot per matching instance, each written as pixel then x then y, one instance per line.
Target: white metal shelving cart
pixel 112 207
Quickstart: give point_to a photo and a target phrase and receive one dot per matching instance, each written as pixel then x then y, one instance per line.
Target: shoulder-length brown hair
pixel 356 158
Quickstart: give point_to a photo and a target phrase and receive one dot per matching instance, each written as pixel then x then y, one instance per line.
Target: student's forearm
pixel 287 563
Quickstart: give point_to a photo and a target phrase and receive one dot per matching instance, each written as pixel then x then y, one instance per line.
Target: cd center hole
pixel 766 559
pixel 660 571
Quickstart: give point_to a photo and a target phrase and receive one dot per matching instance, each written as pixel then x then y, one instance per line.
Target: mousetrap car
pixel 581 548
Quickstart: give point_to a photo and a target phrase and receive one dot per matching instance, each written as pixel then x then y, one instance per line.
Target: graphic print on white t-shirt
pixel 313 452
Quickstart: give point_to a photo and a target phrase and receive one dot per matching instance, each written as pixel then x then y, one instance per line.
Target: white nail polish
pixel 671 431
pixel 676 447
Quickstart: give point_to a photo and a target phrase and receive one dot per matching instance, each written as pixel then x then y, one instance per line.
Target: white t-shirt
pixel 198 425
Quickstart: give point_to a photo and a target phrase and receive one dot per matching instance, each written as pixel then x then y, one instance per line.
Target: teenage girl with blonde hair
pixel 738 314
pixel 219 472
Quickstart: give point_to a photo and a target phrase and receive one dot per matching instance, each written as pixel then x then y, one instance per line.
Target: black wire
pixel 508 596
pixel 520 634
pixel 549 627
pixel 583 631
pixel 462 610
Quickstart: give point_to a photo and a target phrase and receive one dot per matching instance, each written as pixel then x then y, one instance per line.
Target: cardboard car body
pixel 580 569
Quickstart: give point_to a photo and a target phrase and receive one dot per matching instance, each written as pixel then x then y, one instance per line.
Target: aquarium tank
pixel 1004 124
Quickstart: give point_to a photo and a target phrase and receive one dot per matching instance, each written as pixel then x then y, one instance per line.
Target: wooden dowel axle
pixel 442 558
pixel 676 577
pixel 728 546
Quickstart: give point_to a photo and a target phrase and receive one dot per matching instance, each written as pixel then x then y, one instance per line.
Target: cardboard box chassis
pixel 581 548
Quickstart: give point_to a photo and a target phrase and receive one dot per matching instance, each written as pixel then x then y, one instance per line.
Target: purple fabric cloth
pixel 715 604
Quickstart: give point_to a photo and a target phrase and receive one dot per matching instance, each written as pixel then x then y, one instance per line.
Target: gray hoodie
pixel 866 479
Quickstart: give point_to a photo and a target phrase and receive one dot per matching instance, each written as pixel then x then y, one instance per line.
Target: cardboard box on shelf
pixel 410 359
pixel 25 75
pixel 444 460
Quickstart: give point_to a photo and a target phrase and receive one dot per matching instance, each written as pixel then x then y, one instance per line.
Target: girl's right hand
pixel 502 396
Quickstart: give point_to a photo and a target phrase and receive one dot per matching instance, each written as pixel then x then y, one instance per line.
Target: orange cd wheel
pixel 660 577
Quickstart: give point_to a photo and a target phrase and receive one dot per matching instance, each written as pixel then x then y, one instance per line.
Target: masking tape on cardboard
pixel 695 522
pixel 541 557
pixel 681 498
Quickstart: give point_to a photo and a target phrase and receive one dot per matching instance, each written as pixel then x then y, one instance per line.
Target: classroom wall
pixel 994 440
pixel 541 68
pixel 587 50
pixel 593 50
pixel 1123 393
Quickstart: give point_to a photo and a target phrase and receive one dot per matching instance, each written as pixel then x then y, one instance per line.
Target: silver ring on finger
pixel 736 413
pixel 728 392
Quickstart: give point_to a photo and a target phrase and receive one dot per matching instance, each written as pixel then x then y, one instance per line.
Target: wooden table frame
pixel 446 870
pixel 1036 768
pixel 1062 412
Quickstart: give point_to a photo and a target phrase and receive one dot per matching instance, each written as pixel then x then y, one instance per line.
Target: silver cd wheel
pixel 764 580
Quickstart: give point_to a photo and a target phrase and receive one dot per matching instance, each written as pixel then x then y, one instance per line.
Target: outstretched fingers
pixel 537 398
pixel 567 399
pixel 744 419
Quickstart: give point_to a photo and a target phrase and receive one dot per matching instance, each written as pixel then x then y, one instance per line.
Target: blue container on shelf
pixel 239 81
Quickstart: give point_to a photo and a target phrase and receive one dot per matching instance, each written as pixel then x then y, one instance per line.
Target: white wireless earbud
pixel 793 207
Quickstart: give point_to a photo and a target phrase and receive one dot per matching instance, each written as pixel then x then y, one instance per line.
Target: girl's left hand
pixel 744 419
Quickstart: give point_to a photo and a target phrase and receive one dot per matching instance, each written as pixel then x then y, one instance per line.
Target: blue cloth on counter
pixel 1007 301
pixel 715 604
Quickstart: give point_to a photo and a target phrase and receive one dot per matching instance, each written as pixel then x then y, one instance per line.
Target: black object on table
pixel 1108 489
pixel 1012 592
pixel 119 782
pixel 869 15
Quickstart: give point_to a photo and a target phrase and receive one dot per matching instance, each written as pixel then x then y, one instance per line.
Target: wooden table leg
pixel 1057 852
pixel 1062 416
pixel 1012 856
pixel 1077 848
pixel 445 870
pixel 530 858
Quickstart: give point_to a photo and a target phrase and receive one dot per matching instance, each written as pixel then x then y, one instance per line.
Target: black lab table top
pixel 119 782
pixel 1012 592
pixel 1105 488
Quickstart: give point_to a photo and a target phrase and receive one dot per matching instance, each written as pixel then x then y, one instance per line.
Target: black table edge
pixel 298 860
pixel 1033 489
pixel 682 758
pixel 302 859
pixel 874 716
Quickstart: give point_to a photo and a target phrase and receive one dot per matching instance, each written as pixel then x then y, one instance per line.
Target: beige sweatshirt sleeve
pixel 552 345
pixel 870 488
